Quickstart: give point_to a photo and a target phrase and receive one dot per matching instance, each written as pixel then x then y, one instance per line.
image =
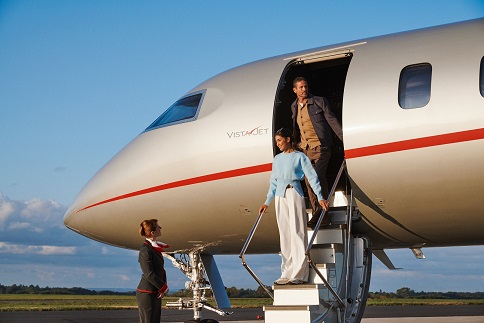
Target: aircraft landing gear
pixel 198 283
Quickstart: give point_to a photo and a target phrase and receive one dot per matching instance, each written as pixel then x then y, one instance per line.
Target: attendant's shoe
pixel 314 220
pixel 282 281
pixel 297 282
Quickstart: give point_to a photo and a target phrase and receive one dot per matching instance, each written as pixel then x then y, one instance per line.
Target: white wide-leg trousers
pixel 292 222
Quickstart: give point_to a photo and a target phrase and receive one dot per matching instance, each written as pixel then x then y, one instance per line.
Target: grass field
pixel 35 302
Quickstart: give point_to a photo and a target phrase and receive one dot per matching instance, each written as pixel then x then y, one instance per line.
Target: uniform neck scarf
pixel 158 246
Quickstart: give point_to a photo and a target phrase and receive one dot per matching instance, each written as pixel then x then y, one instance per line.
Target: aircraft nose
pixel 75 221
pixel 69 220
pixel 132 186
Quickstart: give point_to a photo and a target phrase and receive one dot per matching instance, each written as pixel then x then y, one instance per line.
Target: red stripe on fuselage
pixel 396 146
pixel 438 140
pixel 190 181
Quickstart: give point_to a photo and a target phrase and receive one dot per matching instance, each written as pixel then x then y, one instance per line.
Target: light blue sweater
pixel 290 169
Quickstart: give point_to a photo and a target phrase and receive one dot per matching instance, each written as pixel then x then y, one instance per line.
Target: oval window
pixel 481 78
pixel 414 86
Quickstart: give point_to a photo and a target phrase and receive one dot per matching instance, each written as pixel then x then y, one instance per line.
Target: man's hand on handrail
pixel 324 204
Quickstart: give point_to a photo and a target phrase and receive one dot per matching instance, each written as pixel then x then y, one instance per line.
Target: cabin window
pixel 481 78
pixel 414 86
pixel 184 110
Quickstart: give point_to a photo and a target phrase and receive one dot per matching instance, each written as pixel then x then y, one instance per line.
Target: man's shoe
pixel 282 281
pixel 314 219
pixel 326 220
pixel 297 282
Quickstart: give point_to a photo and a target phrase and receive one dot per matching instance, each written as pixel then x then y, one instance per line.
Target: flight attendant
pixel 288 170
pixel 152 287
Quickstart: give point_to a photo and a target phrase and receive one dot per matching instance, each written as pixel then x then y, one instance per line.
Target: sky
pixel 80 79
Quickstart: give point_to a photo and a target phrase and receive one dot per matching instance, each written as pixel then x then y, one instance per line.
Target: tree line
pixel 31 289
pixel 234 292
pixel 406 292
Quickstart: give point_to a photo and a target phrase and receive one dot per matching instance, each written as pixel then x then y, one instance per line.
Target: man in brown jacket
pixel 313 121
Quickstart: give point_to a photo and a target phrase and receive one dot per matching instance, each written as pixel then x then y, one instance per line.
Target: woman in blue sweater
pixel 288 170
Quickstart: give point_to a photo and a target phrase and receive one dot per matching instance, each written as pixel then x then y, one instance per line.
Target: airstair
pixel 339 277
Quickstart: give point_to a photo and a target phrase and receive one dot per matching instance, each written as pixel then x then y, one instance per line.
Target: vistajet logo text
pixel 259 131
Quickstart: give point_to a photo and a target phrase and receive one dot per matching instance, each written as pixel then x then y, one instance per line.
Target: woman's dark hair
pixel 286 133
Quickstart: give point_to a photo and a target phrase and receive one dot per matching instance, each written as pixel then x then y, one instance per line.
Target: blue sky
pixel 80 79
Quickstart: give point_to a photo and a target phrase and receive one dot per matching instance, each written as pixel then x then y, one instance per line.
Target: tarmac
pixel 373 314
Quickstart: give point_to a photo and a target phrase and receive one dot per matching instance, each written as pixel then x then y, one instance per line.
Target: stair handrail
pixel 242 256
pixel 313 237
pixel 349 217
pixel 331 193
pixel 310 244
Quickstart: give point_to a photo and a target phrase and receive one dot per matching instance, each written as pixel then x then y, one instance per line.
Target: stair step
pixel 304 294
pixel 326 236
pixel 324 255
pixel 290 307
pixel 299 286
pixel 338 215
pixel 289 314
pixel 329 273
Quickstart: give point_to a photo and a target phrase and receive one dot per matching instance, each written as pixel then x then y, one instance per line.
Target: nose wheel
pixel 198 283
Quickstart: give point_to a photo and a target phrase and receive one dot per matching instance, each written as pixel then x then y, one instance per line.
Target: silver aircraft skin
pixel 417 174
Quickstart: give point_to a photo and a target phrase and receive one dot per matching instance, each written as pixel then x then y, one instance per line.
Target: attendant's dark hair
pixel 147 226
pixel 298 79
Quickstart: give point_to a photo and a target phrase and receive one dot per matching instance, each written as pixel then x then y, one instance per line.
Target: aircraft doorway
pixel 326 78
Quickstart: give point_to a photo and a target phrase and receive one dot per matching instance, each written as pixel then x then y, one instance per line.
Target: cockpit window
pixel 414 86
pixel 184 110
pixel 481 78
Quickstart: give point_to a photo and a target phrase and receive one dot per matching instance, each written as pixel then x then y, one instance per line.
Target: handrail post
pixel 242 256
pixel 313 237
pixel 316 228
pixel 348 247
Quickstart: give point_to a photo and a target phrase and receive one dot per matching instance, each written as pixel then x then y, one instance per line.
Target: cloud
pixel 54 250
pixel 39 250
pixel 35 228
pixel 7 208
pixel 36 220
pixel 42 210
pixel 60 169
pixel 36 248
pixel 124 277
pixel 34 211
pixel 24 226
pixel 443 269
